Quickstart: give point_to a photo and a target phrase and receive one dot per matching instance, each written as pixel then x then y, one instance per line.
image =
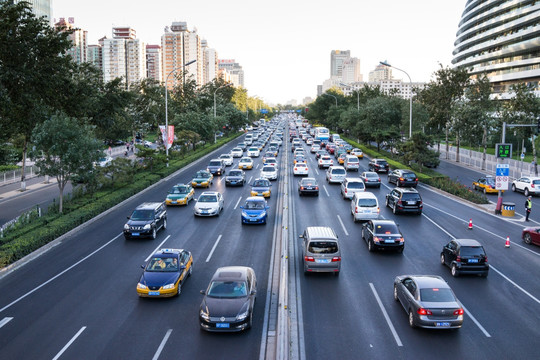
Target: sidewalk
pixel 9 191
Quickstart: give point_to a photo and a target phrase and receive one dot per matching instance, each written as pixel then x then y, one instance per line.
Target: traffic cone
pixel 507 243
pixel 470 224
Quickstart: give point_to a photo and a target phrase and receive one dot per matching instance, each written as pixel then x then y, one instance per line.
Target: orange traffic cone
pixel 507 243
pixel 470 224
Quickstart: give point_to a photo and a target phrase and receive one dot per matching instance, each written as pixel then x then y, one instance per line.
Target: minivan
pixel 351 163
pixel 364 206
pixel 321 250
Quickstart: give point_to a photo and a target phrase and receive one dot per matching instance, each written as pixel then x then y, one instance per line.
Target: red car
pixel 331 148
pixel 531 235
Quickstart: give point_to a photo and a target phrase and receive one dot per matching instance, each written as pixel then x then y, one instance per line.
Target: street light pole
pixel 331 96
pixel 166 109
pixel 227 84
pixel 384 63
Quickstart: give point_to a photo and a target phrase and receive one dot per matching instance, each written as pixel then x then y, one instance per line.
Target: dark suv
pixel 402 177
pixel 465 256
pixel 404 200
pixel 146 220
pixel 378 165
pixel 216 167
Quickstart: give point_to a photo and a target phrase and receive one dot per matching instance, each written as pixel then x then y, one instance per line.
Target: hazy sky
pixel 284 45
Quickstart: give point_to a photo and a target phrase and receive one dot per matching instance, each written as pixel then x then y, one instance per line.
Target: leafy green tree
pixel 67 148
pixel 417 150
pixel 33 65
pixel 383 119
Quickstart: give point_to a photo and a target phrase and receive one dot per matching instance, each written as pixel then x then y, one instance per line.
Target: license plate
pixel 223 325
pixel 135 234
pixel 389 241
pixel 411 202
pixel 153 293
pixel 442 324
pixel 252 219
pixel 233 182
pixel 473 260
pixel 322 261
pixel 204 212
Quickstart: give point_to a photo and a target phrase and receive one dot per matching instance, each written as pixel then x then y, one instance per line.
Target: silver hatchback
pixel 321 250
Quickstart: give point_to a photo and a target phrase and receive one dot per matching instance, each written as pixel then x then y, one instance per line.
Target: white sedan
pixel 300 169
pixel 269 172
pixel 209 203
pixel 227 159
pixel 237 152
pixel 325 161
pixel 253 152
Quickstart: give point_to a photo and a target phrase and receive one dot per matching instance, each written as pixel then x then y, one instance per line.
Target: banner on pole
pixel 167 140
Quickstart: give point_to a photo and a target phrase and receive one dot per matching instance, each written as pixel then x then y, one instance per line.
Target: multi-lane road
pixel 78 300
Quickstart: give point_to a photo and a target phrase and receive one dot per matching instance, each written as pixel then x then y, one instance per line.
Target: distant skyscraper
pixel 234 69
pixel 500 39
pixel 114 58
pixel 78 38
pixel 380 73
pixel 94 55
pixel 153 62
pixel 337 57
pixel 351 70
pixel 135 61
pixel 210 62
pixel 192 51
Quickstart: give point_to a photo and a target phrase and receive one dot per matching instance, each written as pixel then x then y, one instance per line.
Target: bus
pixel 322 133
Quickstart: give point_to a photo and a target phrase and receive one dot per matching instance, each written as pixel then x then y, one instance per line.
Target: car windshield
pixel 309 182
pixel 235 173
pixel 215 163
pixel 490 181
pixel 409 176
pixel 179 190
pixel 436 295
pixel 207 198
pixel 323 247
pixel 201 174
pixel 245 160
pixel 410 197
pixel 536 182
pixel 269 169
pixel 371 175
pixel 338 172
pixel 472 251
pixel 386 229
pixel 367 202
pixel 261 183
pixel 142 215
pixel 355 185
pixel 254 205
pixel 383 163
pixel 162 264
pixel 227 289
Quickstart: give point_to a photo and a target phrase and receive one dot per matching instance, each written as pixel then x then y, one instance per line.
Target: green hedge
pixel 31 237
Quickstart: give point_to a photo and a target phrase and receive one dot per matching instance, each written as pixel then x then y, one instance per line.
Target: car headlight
pixel 204 315
pixel 168 286
pixel 147 227
pixel 242 316
pixel 126 227
pixel 141 286
pixel 244 214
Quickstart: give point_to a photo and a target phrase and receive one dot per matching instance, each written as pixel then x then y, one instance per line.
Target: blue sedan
pixel 254 211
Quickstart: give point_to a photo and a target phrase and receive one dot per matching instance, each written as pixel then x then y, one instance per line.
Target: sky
pixel 284 46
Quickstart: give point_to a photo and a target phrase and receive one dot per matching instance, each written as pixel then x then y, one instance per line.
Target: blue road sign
pixel 264 111
pixel 502 170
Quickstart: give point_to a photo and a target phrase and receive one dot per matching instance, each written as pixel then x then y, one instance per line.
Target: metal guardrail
pixel 13 176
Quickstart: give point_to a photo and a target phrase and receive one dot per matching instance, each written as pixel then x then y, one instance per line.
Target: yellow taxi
pixel 261 187
pixel 358 153
pixel 180 194
pixel 245 163
pixel 202 178
pixel 485 184
pixel 165 273
pixel 341 158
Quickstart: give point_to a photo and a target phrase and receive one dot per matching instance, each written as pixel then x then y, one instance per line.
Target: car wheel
pixel 485 192
pixel 395 293
pixel 370 245
pixel 411 319
pixel 179 291
pixel 299 193
pixel 400 250
pixel 527 238
pixel 526 192
pixel 389 180
pixel 474 187
pixel 394 209
pixel 190 270
pixel 250 323
pixel 336 273
pixel 443 262
pixel 455 272
pixel 514 187
pixel 387 203
pixel 165 224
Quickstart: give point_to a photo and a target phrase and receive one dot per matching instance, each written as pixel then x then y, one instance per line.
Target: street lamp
pixel 331 96
pixel 166 109
pixel 357 96
pixel 384 63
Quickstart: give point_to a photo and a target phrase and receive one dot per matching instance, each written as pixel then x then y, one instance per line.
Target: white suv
pixel 528 185
pixel 350 186
pixel 336 174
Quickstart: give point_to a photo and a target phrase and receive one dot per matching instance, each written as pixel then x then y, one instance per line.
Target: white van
pixel 364 206
pixel 351 163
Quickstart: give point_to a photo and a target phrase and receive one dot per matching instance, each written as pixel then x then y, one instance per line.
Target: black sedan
pixel 429 301
pixel 308 186
pixel 402 177
pixel 371 179
pixel 229 300
pixel 383 234
pixel 235 177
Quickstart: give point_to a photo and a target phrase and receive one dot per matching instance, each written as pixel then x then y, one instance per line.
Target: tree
pixel 383 119
pixel 33 68
pixel 67 148
pixel 416 150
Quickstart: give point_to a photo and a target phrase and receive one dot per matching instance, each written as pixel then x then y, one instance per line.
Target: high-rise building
pixel 114 58
pixel 502 40
pixel 124 33
pixel 192 51
pixel 94 55
pixel 337 57
pixel 234 69
pixel 153 62
pixel 135 61
pixel 380 73
pixel 210 62
pixel 351 70
pixel 39 8
pixel 78 38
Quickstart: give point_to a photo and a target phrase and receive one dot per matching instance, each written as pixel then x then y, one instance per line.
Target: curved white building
pixel 502 39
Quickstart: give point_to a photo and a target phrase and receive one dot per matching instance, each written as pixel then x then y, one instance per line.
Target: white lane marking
pixel 162 345
pixel 516 285
pixel 476 321
pixel 390 325
pixel 317 171
pixel 156 249
pixel 324 187
pixel 238 202
pixel 491 266
pixel 59 274
pixel 5 321
pixel 342 225
pixel 486 230
pixel 249 181
pixel 214 248
pixel 69 343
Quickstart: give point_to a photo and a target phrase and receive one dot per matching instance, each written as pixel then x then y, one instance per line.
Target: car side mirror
pixel 253 292
pixel 143 266
pixel 267 207
pixel 301 236
pixel 203 292
pixel 241 207
pixel 128 217
pixel 195 200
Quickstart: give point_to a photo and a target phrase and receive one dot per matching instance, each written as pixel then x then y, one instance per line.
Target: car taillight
pixel 301 188
pixel 378 210
pixel 399 203
pixel 317 188
pixel 401 179
pixel 336 258
pixel 376 239
pixel 532 185
pixel 309 258
pixel 423 311
pixel 459 312
pixel 345 190
pixel 295 169
pixel 356 210
pixel 485 258
pixel 400 240
pixel 458 258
